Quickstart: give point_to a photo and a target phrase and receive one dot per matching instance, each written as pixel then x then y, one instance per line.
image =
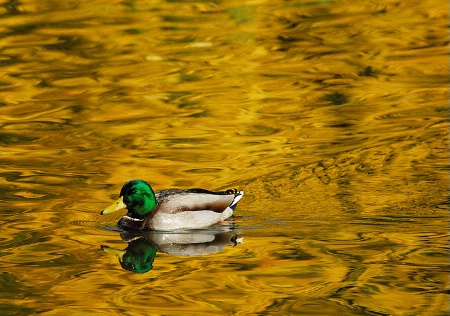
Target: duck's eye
pixel 131 192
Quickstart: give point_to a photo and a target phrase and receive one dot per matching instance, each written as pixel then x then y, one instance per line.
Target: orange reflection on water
pixel 332 117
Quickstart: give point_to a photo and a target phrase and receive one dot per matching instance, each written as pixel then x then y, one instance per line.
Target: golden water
pixel 331 115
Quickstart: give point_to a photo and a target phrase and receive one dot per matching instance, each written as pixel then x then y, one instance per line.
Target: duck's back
pixel 177 201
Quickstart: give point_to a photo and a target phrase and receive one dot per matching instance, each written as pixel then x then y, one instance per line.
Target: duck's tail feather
pixel 237 196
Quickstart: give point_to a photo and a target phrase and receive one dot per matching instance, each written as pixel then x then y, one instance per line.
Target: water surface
pixel 332 116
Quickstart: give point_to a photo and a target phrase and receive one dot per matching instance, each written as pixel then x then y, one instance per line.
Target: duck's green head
pixel 137 197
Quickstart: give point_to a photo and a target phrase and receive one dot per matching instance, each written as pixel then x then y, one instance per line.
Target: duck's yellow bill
pixel 116 206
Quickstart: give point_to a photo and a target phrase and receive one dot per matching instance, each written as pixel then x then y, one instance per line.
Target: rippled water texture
pixel 332 116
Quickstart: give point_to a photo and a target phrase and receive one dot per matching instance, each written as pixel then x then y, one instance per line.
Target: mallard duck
pixel 172 209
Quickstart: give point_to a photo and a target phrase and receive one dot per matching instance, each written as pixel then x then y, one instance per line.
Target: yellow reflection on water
pixel 331 116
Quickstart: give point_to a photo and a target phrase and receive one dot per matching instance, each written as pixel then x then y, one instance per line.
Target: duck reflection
pixel 142 247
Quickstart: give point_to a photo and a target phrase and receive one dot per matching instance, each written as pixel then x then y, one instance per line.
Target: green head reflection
pixel 138 257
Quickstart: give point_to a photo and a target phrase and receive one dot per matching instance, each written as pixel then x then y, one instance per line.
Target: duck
pixel 171 209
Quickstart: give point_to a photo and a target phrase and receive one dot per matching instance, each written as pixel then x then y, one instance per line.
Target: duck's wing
pixel 176 201
pixel 237 195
